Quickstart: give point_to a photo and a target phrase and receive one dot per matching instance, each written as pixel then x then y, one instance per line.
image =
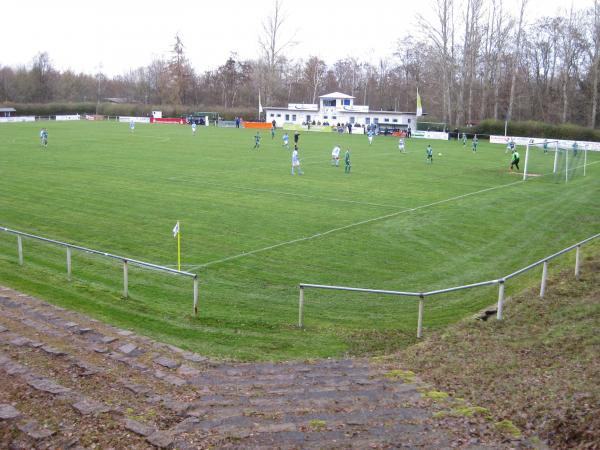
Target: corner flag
pixel 419 106
pixel 177 234
pixel 260 108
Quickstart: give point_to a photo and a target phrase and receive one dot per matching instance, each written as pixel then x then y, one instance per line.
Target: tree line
pixel 473 60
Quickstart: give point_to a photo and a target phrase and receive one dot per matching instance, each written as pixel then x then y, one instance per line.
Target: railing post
pixel 20 248
pixel 420 319
pixel 69 263
pixel 301 308
pixel 500 299
pixel 544 278
pixel 196 295
pixel 577 261
pixel 125 279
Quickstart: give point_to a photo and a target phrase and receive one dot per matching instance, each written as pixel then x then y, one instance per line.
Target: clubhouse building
pixel 339 109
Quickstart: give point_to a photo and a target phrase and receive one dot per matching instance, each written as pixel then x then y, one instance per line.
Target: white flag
pixel 176 229
pixel 260 108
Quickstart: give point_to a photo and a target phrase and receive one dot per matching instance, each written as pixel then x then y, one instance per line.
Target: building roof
pixel 336 95
pixel 8 110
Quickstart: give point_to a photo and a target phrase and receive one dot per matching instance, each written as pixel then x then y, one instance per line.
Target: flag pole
pixel 179 248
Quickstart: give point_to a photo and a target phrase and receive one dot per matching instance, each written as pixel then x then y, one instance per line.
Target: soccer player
pixel 347 165
pixel 370 136
pixel 335 156
pixel 296 161
pixel 510 146
pixel 545 145
pixel 132 125
pixel 474 145
pixel 296 137
pixel 194 128
pixel 575 146
pixel 514 162
pixel 429 154
pixel 257 140
pixel 44 137
pixel 401 145
pixel 464 139
pixel 286 141
pixel 273 130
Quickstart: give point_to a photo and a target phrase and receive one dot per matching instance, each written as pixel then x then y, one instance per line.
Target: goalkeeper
pixel 514 162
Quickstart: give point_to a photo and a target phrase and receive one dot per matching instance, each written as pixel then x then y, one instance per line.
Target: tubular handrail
pixel 97 252
pixel 125 260
pixel 500 282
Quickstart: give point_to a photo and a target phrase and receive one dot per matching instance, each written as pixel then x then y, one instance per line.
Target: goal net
pixel 431 126
pixel 553 161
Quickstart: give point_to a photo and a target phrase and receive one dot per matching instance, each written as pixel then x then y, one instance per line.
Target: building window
pixel 376 120
pixel 272 115
pixel 325 117
pixel 367 120
pixel 386 119
pixel 287 117
pixel 278 115
pixel 346 102
pixel 293 117
pixel 328 102
pixel 395 120
pixel 307 118
pixel 352 119
pixel 408 120
pixel 334 117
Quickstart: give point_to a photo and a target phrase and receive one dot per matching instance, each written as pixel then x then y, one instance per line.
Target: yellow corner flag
pixel 177 234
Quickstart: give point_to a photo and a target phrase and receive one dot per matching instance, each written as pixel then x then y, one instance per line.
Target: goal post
pixel 561 160
pixel 546 146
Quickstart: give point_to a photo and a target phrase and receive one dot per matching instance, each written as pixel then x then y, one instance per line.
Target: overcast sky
pixel 119 35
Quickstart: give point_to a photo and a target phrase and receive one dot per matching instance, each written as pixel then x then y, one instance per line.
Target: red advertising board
pixel 177 120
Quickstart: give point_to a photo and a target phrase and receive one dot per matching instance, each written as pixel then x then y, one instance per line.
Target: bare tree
pixel 594 55
pixel 441 34
pixel 273 42
pixel 516 58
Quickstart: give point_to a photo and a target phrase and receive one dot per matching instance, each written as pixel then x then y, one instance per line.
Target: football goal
pixel 544 158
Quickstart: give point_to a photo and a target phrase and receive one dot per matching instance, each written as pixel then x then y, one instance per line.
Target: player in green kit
pixel 514 162
pixel 545 145
pixel 347 166
pixel 474 145
pixel 257 140
pixel 429 154
pixel 464 139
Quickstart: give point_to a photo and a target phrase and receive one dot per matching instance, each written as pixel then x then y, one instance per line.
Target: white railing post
pixel 420 319
pixel 544 278
pixel 125 279
pixel 69 263
pixel 20 248
pixel 500 299
pixel 301 308
pixel 196 295
pixel 577 261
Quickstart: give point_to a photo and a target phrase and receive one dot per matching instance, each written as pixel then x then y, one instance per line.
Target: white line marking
pixel 352 225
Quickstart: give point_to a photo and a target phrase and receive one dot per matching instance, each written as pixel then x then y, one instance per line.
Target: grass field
pixel 253 232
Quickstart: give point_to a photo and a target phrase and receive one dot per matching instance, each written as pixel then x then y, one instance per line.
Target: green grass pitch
pixel 252 231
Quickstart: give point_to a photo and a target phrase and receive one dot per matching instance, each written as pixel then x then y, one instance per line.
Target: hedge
pixel 125 109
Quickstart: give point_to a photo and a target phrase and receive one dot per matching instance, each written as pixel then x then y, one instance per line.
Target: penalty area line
pixel 352 225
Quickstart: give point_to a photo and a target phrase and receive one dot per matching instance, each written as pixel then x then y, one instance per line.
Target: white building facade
pixel 337 108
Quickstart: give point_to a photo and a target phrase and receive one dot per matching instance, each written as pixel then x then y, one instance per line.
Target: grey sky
pixel 122 35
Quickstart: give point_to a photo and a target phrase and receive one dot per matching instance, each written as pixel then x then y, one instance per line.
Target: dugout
pixel 7 112
pixel 199 118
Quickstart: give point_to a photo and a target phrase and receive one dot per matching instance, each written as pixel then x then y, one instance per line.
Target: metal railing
pixel 501 282
pixel 126 261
